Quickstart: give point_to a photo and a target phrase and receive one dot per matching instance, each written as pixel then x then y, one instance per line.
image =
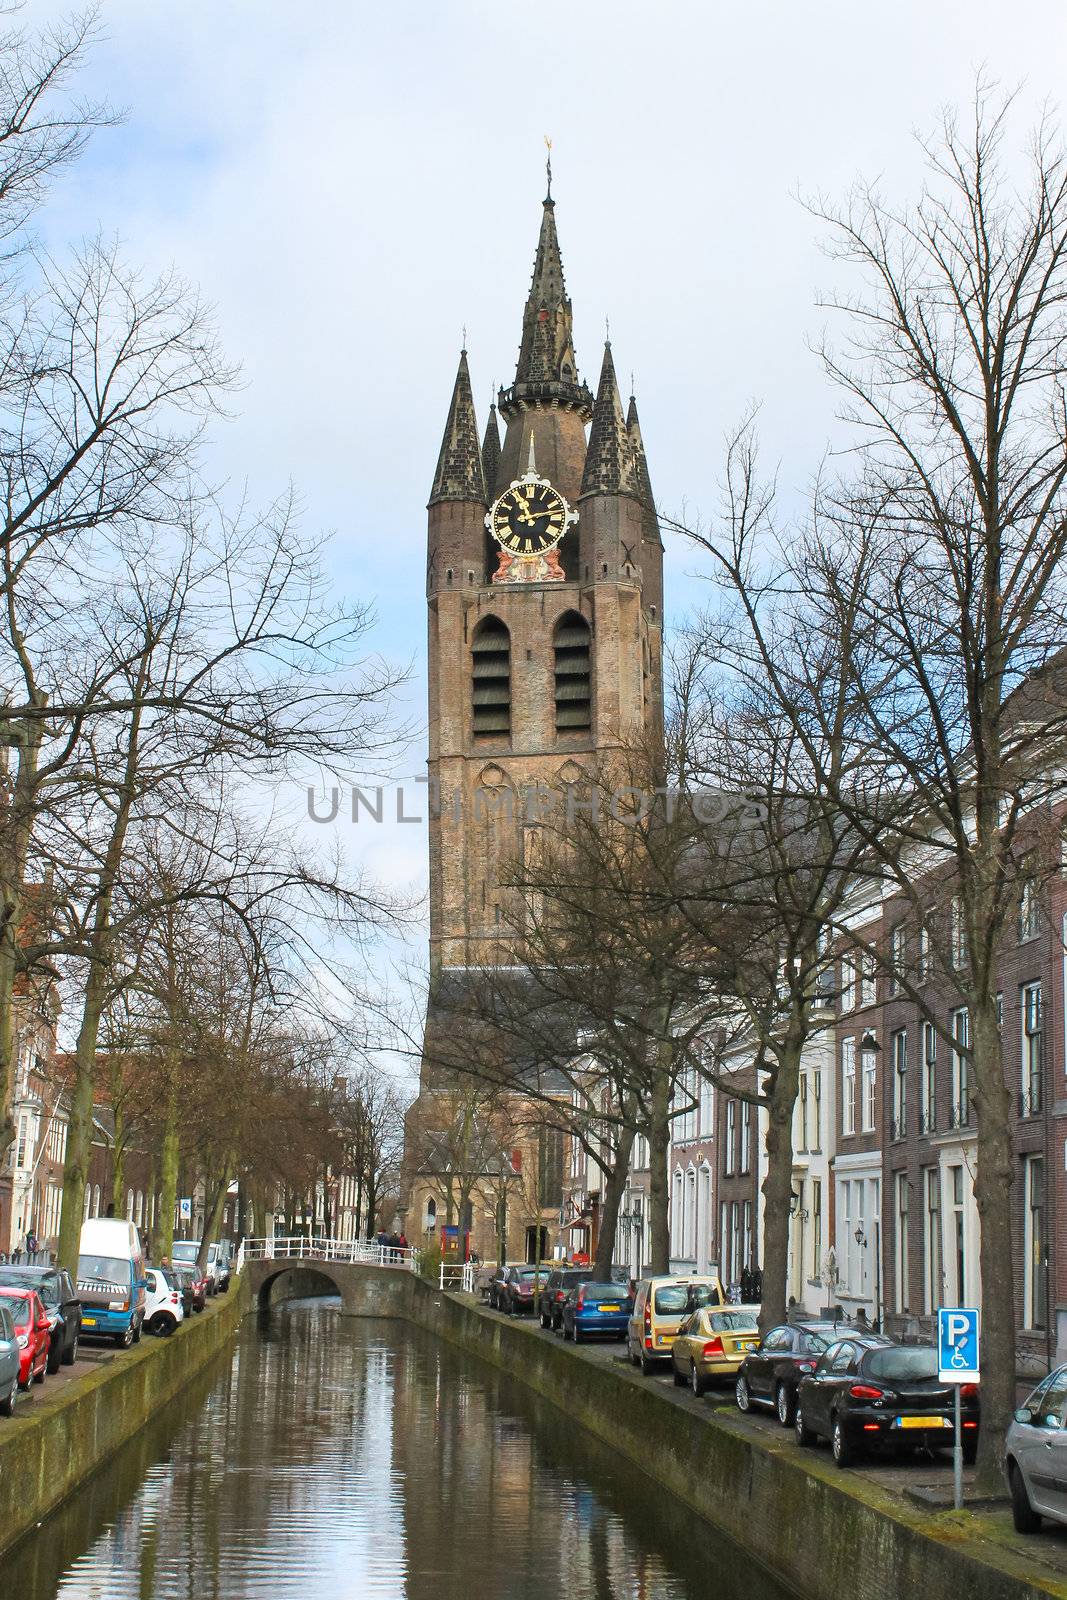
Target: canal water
pixel 361 1460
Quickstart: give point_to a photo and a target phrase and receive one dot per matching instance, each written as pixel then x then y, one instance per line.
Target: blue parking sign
pixel 957 1344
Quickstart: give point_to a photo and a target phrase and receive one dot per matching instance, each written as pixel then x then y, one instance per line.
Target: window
pixel 922 967
pixel 870 1090
pixel 816 1227
pixel 1032 1053
pixel 958 934
pixel 802 1111
pixel 958 1235
pixel 868 980
pixel 129 1205
pixel 928 1106
pixel 746 1240
pixel 24 1136
pixel 1035 1304
pixel 1027 910
pixel 848 1086
pixel 932 1288
pixel 491 680
pixel 848 983
pixel 900 1184
pixel 573 674
pixel 961 1072
pixel 900 1084
pixel 746 1136
pixel 816 1084
pixel 898 954
pixel 96 1199
pixel 731 1127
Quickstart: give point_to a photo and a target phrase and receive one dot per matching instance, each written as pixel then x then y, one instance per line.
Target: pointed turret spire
pixel 642 481
pixel 609 463
pixel 491 454
pixel 459 474
pixel 547 369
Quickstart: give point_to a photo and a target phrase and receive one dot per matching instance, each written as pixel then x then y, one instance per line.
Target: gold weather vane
pixel 548 166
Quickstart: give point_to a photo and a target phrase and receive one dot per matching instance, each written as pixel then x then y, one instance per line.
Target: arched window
pixel 96 1199
pixel 88 1200
pixel 491 680
pixel 431 1214
pixel 573 674
pixel 129 1205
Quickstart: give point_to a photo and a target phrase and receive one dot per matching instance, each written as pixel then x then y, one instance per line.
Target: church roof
pixel 459 473
pixel 491 454
pixel 547 368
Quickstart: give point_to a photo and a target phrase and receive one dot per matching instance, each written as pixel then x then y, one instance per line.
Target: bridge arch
pixel 366 1290
pixel 312 1279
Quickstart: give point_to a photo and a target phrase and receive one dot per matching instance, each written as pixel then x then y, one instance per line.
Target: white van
pixel 111 1280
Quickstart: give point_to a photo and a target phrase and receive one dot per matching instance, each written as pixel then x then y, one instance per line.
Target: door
pixel 1041 1447
pixel 828 1379
pixel 760 1366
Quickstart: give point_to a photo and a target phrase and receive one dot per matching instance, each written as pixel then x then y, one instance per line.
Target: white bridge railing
pixel 354 1252
pixel 458 1275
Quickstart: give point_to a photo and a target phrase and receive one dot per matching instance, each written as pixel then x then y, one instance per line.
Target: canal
pixel 361 1460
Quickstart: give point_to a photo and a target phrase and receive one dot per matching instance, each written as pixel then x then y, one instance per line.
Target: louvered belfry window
pixel 491 685
pixel 574 710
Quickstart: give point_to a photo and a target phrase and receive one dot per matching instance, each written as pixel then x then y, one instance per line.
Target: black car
pixel 61 1302
pixel 771 1375
pixel 554 1291
pixel 865 1392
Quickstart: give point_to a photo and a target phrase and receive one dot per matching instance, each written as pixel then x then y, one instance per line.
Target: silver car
pixel 1035 1455
pixel 10 1358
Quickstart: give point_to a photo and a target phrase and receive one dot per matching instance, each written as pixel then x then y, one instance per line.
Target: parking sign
pixel 957 1345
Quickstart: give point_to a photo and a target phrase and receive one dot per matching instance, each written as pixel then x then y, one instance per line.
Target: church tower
pixel 544 589
pixel 545 599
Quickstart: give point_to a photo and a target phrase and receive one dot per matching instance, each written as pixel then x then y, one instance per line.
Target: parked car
pixel 771 1375
pixel 712 1343
pixel 660 1307
pixel 596 1307
pixel 192 1283
pixel 111 1280
pixel 10 1362
pixel 163 1303
pixel 189 1250
pixel 32 1333
pixel 61 1304
pixel 520 1287
pixel 867 1392
pixel 1035 1455
pixel 225 1264
pixel 558 1284
pixel 496 1284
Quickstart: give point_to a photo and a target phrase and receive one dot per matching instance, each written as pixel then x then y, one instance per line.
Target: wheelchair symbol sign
pixel 957 1345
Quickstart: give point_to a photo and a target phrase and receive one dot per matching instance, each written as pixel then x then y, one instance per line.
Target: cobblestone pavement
pixel 1047 1549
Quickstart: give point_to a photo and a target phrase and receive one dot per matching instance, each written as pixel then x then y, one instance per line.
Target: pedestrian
pixel 402 1241
pixel 31 1246
pixel 861 1318
pixel 393 1241
pixel 757 1285
pixel 746 1286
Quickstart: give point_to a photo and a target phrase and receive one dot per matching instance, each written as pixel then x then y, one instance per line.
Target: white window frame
pixel 928 1105
pixel 1031 1051
pixel 900 1216
pixel 848 1086
pixel 1035 1243
pixel 933 1244
pixel 730 1153
pixel 869 1068
pixel 960 1024
pixel 899 1051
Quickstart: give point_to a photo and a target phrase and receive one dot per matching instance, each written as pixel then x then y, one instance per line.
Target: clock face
pixel 529 518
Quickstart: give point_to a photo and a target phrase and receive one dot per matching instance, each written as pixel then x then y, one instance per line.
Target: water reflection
pixel 348 1459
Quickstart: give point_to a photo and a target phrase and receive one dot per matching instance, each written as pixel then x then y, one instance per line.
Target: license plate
pixel 922 1422
pixel 88 1322
pixel 608 1308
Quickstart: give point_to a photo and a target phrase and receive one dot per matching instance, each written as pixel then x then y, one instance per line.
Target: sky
pixel 353 184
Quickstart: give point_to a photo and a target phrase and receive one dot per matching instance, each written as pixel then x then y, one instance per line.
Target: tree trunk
pixel 17 831
pixel 992 1194
pixel 659 1136
pixel 118 1168
pixel 80 1126
pixel 614 1189
pixel 778 1179
pixel 212 1213
pixel 168 1163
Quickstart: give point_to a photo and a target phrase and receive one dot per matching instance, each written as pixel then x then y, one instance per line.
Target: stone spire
pixel 459 474
pixel 491 454
pixel 547 370
pixel 642 481
pixel 609 458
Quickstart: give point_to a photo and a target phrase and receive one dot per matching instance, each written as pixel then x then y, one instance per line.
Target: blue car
pixel 596 1308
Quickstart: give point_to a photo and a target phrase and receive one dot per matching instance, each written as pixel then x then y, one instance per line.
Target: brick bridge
pixel 372 1280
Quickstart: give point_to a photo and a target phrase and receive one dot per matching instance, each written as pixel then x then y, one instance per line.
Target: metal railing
pixel 351 1252
pixel 457 1276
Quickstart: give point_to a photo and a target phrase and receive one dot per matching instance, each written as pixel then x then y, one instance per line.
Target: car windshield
pixel 814 1344
pixel 108 1270
pixel 733 1321
pixel 899 1364
pixel 20 1310
pixel 47 1287
pixel 605 1291
pixel 529 1273
pixel 674 1298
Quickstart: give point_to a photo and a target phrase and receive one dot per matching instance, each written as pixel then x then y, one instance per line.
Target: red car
pixel 32 1332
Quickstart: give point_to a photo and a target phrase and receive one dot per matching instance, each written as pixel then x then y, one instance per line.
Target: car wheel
pixel 55 1356
pixel 647 1367
pixel 7 1406
pixel 137 1331
pixel 38 1377
pixel 804 1436
pixel 125 1338
pixel 784 1404
pixel 677 1376
pixel 841 1446
pixel 70 1355
pixel 635 1359
pixel 696 1382
pixel 742 1393
pixel 1025 1518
